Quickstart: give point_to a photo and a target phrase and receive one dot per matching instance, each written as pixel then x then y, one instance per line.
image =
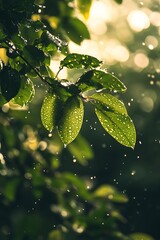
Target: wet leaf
pixel 108 102
pixel 51 41
pixel 10 82
pixel 84 7
pixel 76 60
pixel 26 92
pixel 50 111
pixel 71 121
pixel 101 80
pixel 118 125
pixel 33 55
pixel 75 29
pixel 140 236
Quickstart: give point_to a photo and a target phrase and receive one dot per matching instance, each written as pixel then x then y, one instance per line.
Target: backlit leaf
pixel 101 80
pixel 118 125
pixel 25 93
pixel 118 1
pixel 71 121
pixel 81 149
pixel 76 60
pixel 75 29
pixel 84 7
pixel 50 111
pixel 108 191
pixel 108 102
pixel 140 236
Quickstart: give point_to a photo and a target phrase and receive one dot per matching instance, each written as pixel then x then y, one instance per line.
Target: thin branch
pixel 26 61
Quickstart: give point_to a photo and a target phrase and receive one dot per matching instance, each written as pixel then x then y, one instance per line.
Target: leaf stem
pixel 60 68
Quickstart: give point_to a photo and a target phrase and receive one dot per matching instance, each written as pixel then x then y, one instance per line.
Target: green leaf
pixel 26 92
pixel 51 42
pixel 2 99
pixel 2 34
pixel 75 29
pixel 31 31
pixel 108 102
pixel 50 111
pixel 118 125
pixel 140 236
pixel 118 1
pixel 55 235
pixel 76 60
pixel 81 149
pixel 71 121
pixel 84 7
pixel 33 55
pixel 100 80
pixel 108 191
pixel 10 82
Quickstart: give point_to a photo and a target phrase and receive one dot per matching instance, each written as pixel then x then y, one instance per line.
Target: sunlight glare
pixel 141 60
pixel 138 20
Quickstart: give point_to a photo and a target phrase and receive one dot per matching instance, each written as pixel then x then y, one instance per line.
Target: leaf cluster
pixel 60 205
pixel 30 45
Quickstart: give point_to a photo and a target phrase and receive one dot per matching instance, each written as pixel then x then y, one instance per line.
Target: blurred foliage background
pixel 48 192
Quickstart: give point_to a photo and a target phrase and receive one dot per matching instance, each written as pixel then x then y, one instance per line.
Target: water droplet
pixel 133 172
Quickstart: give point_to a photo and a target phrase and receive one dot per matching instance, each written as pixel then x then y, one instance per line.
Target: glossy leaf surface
pixel 71 120
pixel 76 60
pixel 49 111
pixel 26 92
pixel 108 102
pixel 118 125
pixel 100 79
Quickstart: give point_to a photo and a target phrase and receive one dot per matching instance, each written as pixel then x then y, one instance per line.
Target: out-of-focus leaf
pixel 81 149
pixel 50 111
pixel 2 34
pixel 10 189
pixel 75 29
pixel 76 60
pixel 55 235
pixel 77 182
pixel 10 82
pixel 119 126
pixel 109 102
pixel 26 92
pixel 140 236
pixel 2 99
pixel 84 7
pixel 118 1
pixel 100 80
pixel 109 192
pixel 71 120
